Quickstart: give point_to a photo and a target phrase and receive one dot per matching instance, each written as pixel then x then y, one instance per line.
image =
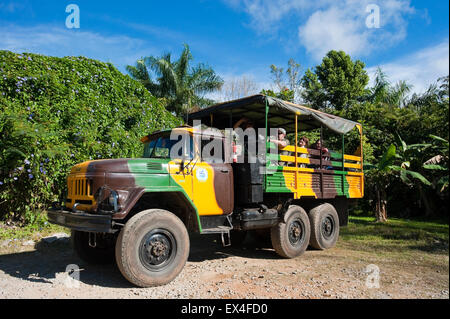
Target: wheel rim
pixel 328 227
pixel 296 232
pixel 157 249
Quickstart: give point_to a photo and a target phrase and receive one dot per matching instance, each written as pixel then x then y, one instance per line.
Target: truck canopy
pixel 280 114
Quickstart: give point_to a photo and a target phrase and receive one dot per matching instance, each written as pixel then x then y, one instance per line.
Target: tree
pixel 181 85
pixel 336 83
pixel 384 93
pixel 236 88
pixel 285 94
pixel 288 80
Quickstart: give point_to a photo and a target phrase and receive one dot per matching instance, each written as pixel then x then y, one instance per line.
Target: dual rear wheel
pixel 297 230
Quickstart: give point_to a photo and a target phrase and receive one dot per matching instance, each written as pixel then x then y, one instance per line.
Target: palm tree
pixel 383 92
pixel 181 85
pixel 379 92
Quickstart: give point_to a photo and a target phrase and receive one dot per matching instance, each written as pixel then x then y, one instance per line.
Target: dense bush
pixel 56 112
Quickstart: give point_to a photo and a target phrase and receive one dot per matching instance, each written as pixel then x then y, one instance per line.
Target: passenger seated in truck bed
pixel 281 142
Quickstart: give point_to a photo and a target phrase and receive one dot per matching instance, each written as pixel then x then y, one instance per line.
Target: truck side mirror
pixel 182 164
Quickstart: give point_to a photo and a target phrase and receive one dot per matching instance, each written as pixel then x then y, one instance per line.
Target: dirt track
pixel 215 272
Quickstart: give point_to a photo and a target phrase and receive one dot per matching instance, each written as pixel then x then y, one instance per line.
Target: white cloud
pixel 420 69
pixel 58 41
pixel 11 6
pixel 324 25
pixel 330 30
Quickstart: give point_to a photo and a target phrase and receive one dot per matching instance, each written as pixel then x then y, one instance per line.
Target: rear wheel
pixel 291 236
pixel 324 226
pixel 152 248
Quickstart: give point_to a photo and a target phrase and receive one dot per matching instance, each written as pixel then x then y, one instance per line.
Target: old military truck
pixel 141 210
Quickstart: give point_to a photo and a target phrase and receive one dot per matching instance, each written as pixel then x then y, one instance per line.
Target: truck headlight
pixel 113 199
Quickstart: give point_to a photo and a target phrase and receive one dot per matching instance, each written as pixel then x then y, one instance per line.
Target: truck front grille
pixel 80 190
pixel 79 187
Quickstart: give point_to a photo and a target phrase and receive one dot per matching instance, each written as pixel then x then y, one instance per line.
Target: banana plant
pixel 438 164
pixel 404 162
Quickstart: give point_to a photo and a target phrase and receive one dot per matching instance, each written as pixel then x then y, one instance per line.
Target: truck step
pixel 217 230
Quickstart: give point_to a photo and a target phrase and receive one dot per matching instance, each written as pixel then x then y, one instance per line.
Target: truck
pixel 140 211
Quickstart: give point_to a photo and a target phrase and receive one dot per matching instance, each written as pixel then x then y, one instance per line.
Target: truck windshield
pixel 162 147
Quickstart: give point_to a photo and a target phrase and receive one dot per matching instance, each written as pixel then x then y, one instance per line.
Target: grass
pixel 29 232
pixel 400 239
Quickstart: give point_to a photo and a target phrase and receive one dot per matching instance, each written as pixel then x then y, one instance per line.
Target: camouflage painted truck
pixel 139 211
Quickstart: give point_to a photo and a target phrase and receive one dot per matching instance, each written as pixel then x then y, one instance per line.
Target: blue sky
pixel 239 37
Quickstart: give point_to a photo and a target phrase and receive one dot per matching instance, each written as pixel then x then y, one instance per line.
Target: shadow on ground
pixel 49 259
pixel 209 247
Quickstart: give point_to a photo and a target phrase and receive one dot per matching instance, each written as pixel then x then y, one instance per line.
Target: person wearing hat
pixel 282 142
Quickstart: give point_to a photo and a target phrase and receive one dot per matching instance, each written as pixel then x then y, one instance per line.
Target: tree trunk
pixel 380 206
pixel 423 197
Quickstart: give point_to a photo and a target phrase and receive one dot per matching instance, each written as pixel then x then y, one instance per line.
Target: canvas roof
pixel 281 114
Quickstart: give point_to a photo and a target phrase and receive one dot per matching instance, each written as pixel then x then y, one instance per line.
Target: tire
pixel 152 248
pixel 324 226
pixel 102 254
pixel 290 237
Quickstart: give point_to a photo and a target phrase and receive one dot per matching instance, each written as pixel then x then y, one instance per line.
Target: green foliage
pixel 34 231
pixel 180 84
pixel 56 112
pixel 387 159
pixel 287 82
pixel 285 94
pixel 336 83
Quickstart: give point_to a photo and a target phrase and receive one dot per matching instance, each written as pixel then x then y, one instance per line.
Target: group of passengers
pixel 303 142
pixel 281 141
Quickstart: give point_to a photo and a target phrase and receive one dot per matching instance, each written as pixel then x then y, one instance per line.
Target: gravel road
pixel 38 270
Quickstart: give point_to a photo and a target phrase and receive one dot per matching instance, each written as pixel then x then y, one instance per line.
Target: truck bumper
pixel 81 221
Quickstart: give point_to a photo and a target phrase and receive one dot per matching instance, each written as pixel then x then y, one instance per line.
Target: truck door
pixel 180 168
pixel 213 186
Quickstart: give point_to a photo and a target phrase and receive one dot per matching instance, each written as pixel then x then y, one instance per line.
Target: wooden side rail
pixel 330 160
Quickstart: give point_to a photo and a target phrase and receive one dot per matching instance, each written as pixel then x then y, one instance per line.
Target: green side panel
pixel 275 181
pixel 341 183
pixel 153 175
pixel 335 154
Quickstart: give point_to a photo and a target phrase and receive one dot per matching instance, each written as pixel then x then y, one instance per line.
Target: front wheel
pixel 290 237
pixel 152 248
